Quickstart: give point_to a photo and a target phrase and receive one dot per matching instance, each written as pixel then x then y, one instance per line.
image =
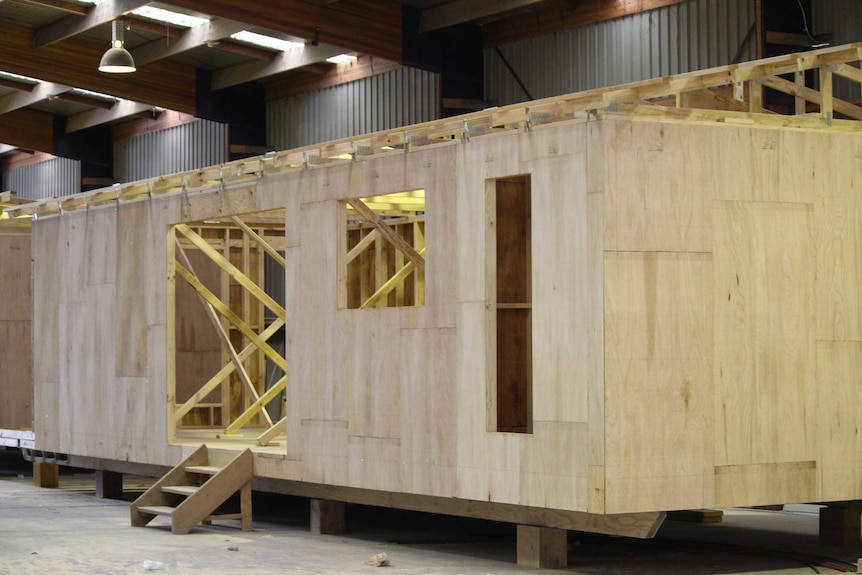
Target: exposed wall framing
pixel 221 342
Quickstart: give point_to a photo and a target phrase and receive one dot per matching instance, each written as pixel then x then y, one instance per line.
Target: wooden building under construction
pixel 576 313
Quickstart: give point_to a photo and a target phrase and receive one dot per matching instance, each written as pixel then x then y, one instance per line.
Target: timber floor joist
pixel 724 95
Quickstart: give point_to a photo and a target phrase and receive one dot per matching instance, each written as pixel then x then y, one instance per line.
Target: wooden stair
pixel 191 492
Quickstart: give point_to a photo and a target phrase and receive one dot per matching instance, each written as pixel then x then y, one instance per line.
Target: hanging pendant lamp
pixel 117 59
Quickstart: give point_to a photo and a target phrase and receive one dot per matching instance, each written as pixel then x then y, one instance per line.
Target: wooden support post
pixel 826 107
pixel 799 107
pixel 542 547
pixel 109 484
pixel 245 506
pixel 840 525
pixel 755 97
pixel 46 475
pixel 327 517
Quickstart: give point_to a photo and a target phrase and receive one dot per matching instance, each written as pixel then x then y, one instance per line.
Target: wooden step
pixel 204 469
pixel 180 489
pixel 157 510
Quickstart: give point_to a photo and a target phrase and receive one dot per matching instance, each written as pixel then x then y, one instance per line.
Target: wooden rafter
pixel 72 25
pixel 812 95
pixel 201 35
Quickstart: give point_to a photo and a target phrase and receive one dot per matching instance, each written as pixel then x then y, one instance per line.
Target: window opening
pixel 510 266
pixel 226 320
pixel 382 259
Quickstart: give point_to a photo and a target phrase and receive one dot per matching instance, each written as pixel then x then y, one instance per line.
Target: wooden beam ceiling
pixel 202 35
pixel 72 25
pixel 284 61
pixel 27 128
pixel 74 62
pixel 67 7
pixel 307 80
pixel 564 15
pixel 43 91
pixel 365 26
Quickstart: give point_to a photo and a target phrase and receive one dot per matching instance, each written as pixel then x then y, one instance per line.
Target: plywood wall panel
pixel 100 229
pixel 293 309
pixel 764 325
pixel 429 416
pixel 839 371
pixel 554 466
pixel 16 382
pixel 132 273
pixel 658 189
pixel 47 322
pixel 16 365
pixel 469 277
pixel 566 309
pixel 73 256
pixel 747 162
pixel 553 140
pixel 371 374
pixel 838 216
pixel 316 326
pixel 765 483
pixel 659 384
pixel 473 456
pixel 15 278
pixel 684 302
pixel 282 191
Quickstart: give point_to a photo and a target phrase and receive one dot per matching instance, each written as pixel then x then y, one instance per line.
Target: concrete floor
pixel 69 531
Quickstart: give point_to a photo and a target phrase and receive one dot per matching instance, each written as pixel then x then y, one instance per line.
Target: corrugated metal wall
pixel 385 101
pixel 680 38
pixel 843 19
pixel 187 147
pixel 51 178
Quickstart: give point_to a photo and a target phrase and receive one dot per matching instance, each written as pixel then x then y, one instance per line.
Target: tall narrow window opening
pixel 509 237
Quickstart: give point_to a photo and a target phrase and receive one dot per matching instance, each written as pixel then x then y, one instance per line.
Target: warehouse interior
pixel 255 127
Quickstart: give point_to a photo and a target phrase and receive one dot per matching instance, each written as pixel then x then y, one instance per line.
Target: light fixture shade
pixel 117 60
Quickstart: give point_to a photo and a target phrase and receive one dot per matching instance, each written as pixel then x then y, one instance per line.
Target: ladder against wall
pixel 191 492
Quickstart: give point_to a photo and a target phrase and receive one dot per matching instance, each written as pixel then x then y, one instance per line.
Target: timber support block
pixel 840 525
pixel 327 517
pixel 542 547
pixel 46 475
pixel 109 484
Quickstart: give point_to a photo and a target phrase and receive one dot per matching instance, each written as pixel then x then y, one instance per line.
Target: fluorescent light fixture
pixel 169 17
pixel 19 77
pixel 341 59
pixel 266 41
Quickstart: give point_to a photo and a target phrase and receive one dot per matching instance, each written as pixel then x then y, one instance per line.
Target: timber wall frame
pixel 694 286
pixel 16 387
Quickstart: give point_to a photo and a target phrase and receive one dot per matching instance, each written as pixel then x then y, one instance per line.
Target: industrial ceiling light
pixel 117 59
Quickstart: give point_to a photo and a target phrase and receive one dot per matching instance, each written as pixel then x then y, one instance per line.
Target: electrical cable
pixel 815 41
